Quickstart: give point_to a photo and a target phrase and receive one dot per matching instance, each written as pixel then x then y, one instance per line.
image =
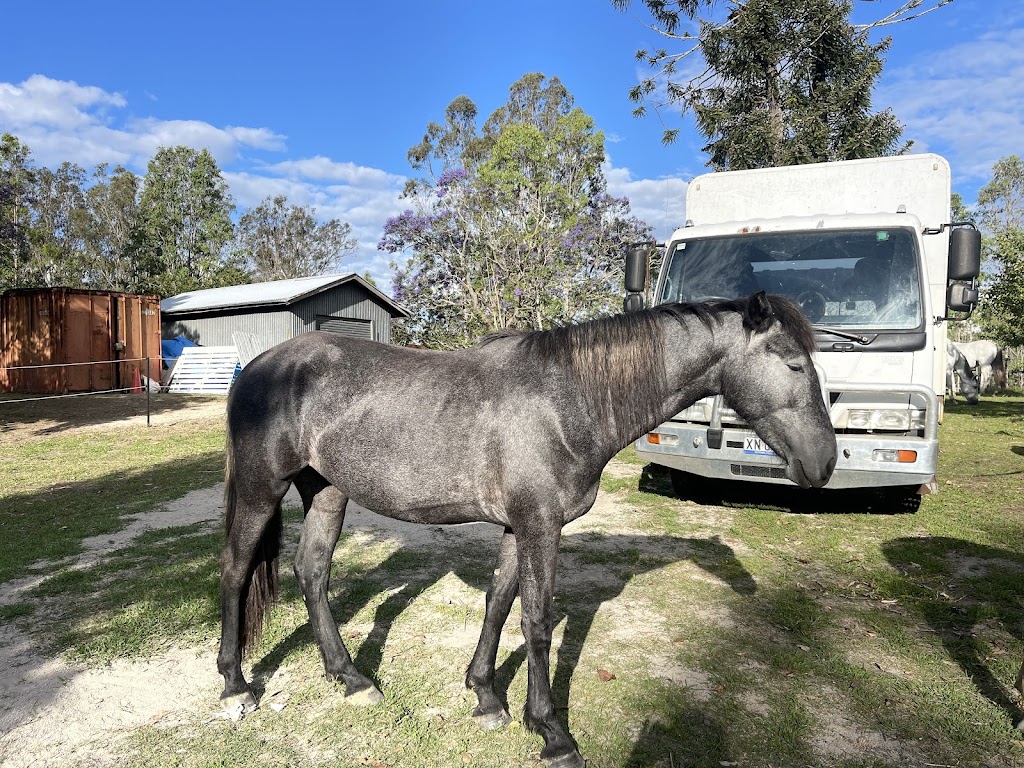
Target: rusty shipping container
pixel 100 338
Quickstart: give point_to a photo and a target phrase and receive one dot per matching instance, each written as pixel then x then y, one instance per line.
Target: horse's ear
pixel 758 315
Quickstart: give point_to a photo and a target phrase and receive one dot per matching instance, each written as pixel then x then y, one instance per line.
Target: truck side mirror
pixel 637 264
pixel 636 269
pixel 961 297
pixel 964 254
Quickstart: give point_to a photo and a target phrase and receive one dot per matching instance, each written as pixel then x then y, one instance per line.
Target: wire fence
pixel 138 387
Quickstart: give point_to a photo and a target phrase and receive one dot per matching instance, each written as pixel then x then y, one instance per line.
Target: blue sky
pixel 321 100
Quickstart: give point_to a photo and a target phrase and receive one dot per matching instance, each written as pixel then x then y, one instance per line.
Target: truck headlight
pixel 699 411
pixel 896 420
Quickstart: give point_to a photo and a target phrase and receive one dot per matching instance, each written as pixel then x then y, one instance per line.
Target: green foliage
pixel 113 228
pixel 278 241
pixel 186 221
pixel 786 82
pixel 16 179
pixel 164 233
pixel 1000 212
pixel 58 221
pixel 513 227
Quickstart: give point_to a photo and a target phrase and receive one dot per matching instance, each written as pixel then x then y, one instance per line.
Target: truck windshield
pixel 863 278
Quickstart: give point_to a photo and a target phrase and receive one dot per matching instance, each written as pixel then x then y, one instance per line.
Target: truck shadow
pixel 725 493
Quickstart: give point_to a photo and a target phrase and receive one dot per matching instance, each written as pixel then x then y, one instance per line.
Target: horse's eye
pixel 795 367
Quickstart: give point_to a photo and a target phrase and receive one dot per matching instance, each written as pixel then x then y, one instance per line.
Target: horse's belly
pixel 437 514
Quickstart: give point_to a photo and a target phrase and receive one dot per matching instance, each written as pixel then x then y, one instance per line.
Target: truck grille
pixel 757 470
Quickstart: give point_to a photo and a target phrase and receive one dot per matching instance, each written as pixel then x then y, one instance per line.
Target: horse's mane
pixel 785 311
pixel 619 361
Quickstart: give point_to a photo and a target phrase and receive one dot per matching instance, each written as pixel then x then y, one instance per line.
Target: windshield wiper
pixel 844 334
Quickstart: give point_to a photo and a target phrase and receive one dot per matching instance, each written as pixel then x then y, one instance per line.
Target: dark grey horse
pixel 514 431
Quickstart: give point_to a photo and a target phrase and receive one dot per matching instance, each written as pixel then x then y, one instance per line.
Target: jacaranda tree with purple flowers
pixel 511 225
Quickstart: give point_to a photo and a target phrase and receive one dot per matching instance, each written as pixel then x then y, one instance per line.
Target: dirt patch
pixel 53 713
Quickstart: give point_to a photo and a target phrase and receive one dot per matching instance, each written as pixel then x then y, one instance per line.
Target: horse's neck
pixel 693 359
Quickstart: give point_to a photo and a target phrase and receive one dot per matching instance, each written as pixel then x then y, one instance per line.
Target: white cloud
pixel 60 104
pixel 659 202
pixel 61 120
pixel 967 103
pixel 322 168
pixel 258 138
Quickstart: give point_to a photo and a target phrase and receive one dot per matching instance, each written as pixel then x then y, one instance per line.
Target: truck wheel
pixel 900 500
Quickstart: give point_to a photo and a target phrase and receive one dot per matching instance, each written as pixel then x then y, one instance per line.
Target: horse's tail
pixel 260 593
pixel 999 369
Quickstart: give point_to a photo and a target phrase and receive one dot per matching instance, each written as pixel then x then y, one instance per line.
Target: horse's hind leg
pixel 490 712
pixel 325 514
pixel 248 579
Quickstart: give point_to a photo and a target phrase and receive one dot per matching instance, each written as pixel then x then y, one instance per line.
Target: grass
pixel 737 633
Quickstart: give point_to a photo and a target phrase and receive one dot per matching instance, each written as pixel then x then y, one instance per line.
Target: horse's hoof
pixel 491 721
pixel 365 697
pixel 239 705
pixel 569 760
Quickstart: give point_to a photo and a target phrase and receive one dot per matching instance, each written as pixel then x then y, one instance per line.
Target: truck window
pixel 863 278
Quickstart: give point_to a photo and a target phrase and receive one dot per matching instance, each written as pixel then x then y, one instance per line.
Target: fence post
pixel 149 385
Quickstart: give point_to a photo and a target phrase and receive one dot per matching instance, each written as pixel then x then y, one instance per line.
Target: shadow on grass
pixel 50 524
pixel 688 737
pixel 20 411
pixel 593 569
pixel 42 530
pixel 973 584
pixel 989 407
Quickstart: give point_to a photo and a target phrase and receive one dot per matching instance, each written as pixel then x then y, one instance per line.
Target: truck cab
pixel 867 249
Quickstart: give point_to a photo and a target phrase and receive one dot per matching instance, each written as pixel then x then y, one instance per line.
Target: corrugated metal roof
pixel 274 292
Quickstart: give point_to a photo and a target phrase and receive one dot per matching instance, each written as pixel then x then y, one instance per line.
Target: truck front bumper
pixel 863 461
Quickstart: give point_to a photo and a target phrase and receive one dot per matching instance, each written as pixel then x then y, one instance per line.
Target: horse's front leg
pixel 538 556
pixel 490 712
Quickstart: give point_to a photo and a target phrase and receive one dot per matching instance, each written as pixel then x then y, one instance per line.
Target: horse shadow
pixel 593 567
pixel 981 585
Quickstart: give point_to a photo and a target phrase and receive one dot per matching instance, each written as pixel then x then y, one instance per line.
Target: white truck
pixel 868 250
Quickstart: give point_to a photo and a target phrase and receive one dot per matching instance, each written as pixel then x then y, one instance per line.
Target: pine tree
pixel 786 81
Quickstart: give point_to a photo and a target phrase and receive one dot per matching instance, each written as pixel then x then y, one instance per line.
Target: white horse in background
pixel 956 364
pixel 986 356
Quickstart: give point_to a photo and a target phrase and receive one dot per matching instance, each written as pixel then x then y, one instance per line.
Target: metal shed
pixel 271 312
pixel 82 341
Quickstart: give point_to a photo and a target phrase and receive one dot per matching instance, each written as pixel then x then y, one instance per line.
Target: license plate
pixel 757 446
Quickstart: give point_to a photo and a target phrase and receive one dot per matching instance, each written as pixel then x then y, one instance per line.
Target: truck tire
pixel 901 500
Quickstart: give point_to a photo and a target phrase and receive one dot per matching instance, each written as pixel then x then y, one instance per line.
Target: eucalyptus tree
pixel 16 179
pixel 113 231
pixel 1000 211
pixel 185 211
pixel 58 221
pixel 775 82
pixel 513 226
pixel 277 241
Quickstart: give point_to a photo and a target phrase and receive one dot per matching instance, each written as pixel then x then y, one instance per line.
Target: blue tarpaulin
pixel 170 349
